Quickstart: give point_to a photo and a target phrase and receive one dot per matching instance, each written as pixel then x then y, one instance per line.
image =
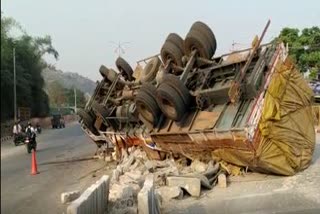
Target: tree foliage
pixel 64 97
pixel 304 46
pixel 29 65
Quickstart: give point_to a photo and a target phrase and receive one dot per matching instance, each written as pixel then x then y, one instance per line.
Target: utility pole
pixel 75 100
pixel 119 47
pixel 14 85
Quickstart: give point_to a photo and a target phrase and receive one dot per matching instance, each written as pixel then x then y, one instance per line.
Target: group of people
pixel 17 129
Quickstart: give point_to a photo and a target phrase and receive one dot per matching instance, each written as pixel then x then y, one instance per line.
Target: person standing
pixel 16 131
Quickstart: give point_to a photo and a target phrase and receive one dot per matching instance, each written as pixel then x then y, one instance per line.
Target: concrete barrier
pixel 148 201
pixel 93 200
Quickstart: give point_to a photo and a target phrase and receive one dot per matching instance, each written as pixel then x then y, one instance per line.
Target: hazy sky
pixel 82 31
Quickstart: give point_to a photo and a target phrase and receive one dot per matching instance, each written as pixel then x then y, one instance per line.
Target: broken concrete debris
pixel 138 180
pixel 191 185
pixel 198 166
pixel 68 197
pixel 169 192
pixel 222 180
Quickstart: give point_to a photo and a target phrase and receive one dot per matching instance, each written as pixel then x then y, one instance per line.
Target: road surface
pixel 23 193
pixel 259 193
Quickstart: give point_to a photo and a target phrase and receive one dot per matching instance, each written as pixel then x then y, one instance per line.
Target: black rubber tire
pixel 178 85
pixel 28 149
pixel 107 73
pixel 86 118
pixel 100 109
pixel 103 71
pixel 147 105
pixel 150 70
pixel 170 102
pixel 171 51
pixel 177 40
pixel 124 68
pixel 207 32
pixel 197 41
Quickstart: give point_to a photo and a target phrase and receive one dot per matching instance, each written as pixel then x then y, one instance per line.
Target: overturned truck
pixel 250 108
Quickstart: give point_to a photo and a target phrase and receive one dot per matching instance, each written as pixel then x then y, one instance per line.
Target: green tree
pixel 29 65
pixel 81 101
pixel 304 46
pixel 57 94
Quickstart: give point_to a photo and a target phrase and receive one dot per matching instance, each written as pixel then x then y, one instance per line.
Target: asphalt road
pixel 24 193
pixel 259 193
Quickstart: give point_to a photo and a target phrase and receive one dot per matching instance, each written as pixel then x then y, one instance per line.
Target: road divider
pixel 93 200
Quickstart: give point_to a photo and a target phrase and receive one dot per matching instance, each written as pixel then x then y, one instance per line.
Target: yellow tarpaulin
pixel 286 128
pixel 287 123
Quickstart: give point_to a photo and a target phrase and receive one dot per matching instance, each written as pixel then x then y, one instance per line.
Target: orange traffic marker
pixel 34 168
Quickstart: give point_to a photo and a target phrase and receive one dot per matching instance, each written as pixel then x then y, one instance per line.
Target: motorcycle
pixel 18 139
pixel 30 141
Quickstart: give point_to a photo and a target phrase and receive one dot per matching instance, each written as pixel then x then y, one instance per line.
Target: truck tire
pixel 177 40
pixel 147 105
pixel 207 32
pixel 171 51
pixel 178 85
pixel 195 40
pixel 150 70
pixel 107 73
pixel 170 102
pixel 124 68
pixel 86 118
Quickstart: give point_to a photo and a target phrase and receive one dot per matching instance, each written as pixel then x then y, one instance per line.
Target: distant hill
pixel 68 80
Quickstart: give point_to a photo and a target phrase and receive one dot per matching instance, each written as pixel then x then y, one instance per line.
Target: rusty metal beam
pixel 234 91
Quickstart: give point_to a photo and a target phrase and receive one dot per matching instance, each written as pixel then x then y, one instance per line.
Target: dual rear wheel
pixel 171 98
pixel 200 38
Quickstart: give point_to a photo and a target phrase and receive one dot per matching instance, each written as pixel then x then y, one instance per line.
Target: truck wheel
pixel 177 40
pixel 86 118
pixel 208 34
pixel 124 68
pixel 170 102
pixel 150 71
pixel 195 40
pixel 171 51
pixel 178 85
pixel 147 105
pixel 107 73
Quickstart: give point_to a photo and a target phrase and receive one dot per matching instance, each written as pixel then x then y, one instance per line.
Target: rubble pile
pixel 173 179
